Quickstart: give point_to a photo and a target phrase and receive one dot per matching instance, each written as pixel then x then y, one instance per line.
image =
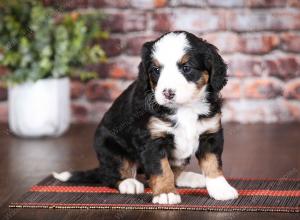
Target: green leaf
pixel 35 44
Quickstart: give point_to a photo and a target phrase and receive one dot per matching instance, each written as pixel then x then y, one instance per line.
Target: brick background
pixel 259 39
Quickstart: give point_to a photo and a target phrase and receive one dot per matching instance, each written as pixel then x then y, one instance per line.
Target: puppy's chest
pixel 185 128
pixel 186 133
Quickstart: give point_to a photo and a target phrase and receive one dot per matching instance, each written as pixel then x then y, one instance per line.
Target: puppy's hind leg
pixel 129 184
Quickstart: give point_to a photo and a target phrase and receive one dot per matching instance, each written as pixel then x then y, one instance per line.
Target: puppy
pixel 171 112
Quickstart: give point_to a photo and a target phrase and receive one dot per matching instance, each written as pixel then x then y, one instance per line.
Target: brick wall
pixel 259 39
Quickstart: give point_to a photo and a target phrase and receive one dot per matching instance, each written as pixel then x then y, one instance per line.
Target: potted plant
pixel 42 47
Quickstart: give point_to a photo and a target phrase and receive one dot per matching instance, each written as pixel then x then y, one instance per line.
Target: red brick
pixel 123 22
pixel 232 90
pixel 160 3
pixel 162 21
pixel 3 91
pixel 293 109
pixel 253 111
pixel 263 88
pixel 148 4
pixel 3 112
pixel 112 46
pixel 265 3
pixel 242 66
pixel 258 43
pixel 229 42
pixel 125 68
pixel 257 20
pixel 109 3
pixel 66 4
pixel 3 70
pixel 199 20
pixel 293 3
pixel 77 89
pixel 290 42
pixel 188 3
pixel 97 110
pixel 227 3
pixel 120 68
pixel 283 66
pixel 292 89
pixel 99 90
pixel 134 44
pixel 105 90
pixel 80 112
pixel 193 20
pixel 139 4
pixel 226 42
pixel 84 112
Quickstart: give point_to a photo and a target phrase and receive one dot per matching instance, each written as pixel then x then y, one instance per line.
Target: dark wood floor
pixel 250 151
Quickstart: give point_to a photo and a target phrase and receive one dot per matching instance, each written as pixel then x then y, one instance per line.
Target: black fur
pixel 123 132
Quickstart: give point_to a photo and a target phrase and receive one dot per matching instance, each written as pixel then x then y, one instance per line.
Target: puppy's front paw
pixel 219 189
pixel 131 186
pixel 167 198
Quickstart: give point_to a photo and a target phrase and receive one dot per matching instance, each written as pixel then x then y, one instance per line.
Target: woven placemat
pixel 270 195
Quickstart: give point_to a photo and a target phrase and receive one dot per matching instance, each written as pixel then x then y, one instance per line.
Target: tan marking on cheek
pixel 185 58
pixel 159 128
pixel 165 182
pixel 151 83
pixel 156 63
pixel 127 169
pixel 203 80
pixel 210 166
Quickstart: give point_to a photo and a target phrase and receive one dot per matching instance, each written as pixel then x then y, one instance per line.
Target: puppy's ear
pixel 143 76
pixel 218 69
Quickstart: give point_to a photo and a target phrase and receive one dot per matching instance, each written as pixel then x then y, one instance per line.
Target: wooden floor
pixel 250 151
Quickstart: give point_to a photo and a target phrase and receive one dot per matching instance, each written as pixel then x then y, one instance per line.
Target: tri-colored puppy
pixel 171 112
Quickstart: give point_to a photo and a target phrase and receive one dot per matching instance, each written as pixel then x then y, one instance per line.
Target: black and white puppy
pixel 171 112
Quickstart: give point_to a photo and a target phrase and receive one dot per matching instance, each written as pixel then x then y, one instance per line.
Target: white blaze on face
pixel 168 51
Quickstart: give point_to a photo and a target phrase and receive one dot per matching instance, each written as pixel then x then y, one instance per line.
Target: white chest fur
pixel 188 129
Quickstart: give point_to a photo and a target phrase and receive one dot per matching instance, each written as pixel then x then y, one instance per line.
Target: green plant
pixel 38 42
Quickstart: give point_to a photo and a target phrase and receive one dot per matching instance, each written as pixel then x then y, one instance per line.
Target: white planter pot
pixel 39 109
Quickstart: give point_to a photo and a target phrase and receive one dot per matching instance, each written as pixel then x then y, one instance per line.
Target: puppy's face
pixel 179 68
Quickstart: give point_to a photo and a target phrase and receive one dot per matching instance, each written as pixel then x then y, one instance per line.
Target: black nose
pixel 169 93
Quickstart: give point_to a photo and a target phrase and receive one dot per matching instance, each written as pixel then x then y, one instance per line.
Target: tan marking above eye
pixel 156 63
pixel 184 59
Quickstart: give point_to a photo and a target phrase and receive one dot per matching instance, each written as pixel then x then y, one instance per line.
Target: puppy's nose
pixel 169 93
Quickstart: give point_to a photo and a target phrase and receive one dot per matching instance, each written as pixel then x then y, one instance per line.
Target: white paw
pixel 190 179
pixel 131 186
pixel 170 198
pixel 219 189
pixel 64 176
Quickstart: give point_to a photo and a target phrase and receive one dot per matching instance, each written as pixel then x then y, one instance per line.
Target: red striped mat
pixel 273 195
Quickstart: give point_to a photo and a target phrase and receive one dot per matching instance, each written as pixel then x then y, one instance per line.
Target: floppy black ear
pixel 143 76
pixel 218 69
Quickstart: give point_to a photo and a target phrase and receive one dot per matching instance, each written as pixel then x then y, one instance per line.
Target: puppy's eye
pixel 155 71
pixel 186 69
